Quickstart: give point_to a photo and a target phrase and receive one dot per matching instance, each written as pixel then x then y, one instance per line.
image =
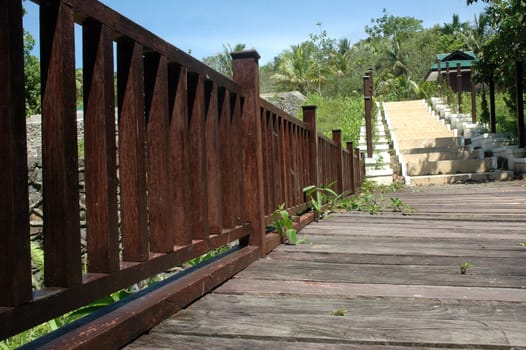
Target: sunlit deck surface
pixel 394 280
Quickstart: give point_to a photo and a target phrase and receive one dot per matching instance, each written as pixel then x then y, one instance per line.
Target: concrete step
pixel 499 175
pixel 446 154
pixel 440 142
pixel 451 166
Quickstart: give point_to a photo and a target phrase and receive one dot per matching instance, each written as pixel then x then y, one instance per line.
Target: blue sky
pixel 269 26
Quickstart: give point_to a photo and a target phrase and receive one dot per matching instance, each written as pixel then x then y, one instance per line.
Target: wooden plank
pixel 202 342
pixel 59 147
pixel 226 159
pixel 350 329
pixel 236 103
pixel 178 154
pixel 409 307
pixel 291 254
pixel 487 276
pixel 213 151
pixel 157 127
pixel 197 194
pixel 310 289
pixel 132 162
pixel 15 263
pixel 100 149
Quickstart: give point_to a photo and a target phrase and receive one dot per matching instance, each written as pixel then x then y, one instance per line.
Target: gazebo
pixel 447 67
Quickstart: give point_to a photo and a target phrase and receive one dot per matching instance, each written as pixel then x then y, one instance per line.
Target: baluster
pixel 100 149
pixel 198 211
pixel 157 126
pixel 59 148
pixel 15 264
pixel 178 157
pixel 132 167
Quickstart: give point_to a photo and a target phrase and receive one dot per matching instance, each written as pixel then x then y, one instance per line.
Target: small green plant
pixel 284 226
pixel 338 312
pixel 522 244
pixel 464 267
pixel 399 206
pixel 321 195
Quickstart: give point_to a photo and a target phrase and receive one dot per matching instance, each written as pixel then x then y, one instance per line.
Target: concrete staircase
pixel 430 152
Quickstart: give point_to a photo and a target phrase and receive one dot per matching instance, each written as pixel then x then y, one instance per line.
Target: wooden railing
pixel 192 161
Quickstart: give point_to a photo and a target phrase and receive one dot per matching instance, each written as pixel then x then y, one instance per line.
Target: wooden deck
pixel 394 279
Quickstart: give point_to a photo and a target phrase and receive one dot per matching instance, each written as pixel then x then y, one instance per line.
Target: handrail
pixel 192 161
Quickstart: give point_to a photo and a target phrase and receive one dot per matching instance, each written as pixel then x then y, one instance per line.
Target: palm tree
pixel 296 70
pixel 478 34
pixel 222 62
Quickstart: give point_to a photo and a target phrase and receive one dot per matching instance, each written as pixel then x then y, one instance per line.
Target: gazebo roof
pixel 464 58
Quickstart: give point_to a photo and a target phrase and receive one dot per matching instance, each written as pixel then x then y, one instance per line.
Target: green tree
pixel 32 77
pixel 222 62
pixel 295 69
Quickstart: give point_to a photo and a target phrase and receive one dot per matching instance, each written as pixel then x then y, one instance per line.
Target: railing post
pixel 520 103
pixel 439 78
pixel 459 88
pixel 337 137
pixel 15 264
pixel 473 97
pixel 351 166
pixel 368 117
pixel 448 82
pixel 309 117
pixel 246 73
pixel 492 116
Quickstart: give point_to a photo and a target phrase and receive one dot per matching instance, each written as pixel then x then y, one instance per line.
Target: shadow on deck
pixel 394 280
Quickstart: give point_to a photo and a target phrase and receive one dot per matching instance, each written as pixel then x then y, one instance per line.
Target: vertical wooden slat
pixel 213 169
pixel 156 106
pixel 267 161
pixel 237 157
pixel 338 168
pixel 15 265
pixel 178 157
pixel 227 177
pixel 198 211
pixel 130 81
pixel 352 179
pixel 278 164
pixel 59 148
pixel 271 194
pixel 100 150
pixel 285 161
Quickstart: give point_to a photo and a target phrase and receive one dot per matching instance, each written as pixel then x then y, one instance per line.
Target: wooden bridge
pixel 195 161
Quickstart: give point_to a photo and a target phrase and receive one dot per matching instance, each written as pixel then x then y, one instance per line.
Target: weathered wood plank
pixel 290 254
pixel 407 307
pixel 386 274
pixel 308 288
pixel 192 342
pixel 349 329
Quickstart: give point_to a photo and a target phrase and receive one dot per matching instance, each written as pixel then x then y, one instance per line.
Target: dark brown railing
pixel 192 161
